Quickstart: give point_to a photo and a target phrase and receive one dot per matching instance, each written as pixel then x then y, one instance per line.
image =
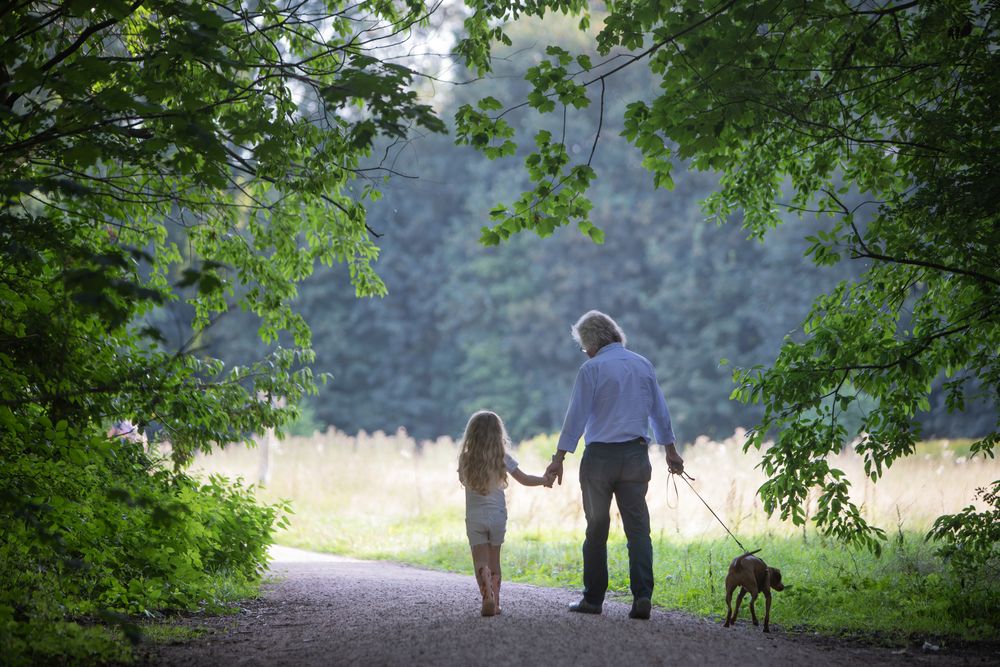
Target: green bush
pixel 97 531
pixel 970 539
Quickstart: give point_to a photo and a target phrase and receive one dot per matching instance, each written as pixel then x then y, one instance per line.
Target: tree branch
pixel 886 10
pixel 600 123
pixel 84 36
pixel 663 42
pixel 976 275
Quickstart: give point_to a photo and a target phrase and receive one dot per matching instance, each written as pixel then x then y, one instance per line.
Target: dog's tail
pixel 747 553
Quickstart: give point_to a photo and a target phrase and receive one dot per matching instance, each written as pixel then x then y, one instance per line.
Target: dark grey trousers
pixel 622 471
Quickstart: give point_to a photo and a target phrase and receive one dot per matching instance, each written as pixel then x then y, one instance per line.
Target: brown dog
pixel 753 576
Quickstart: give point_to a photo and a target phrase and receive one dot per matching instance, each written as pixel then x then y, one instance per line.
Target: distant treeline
pixel 465 327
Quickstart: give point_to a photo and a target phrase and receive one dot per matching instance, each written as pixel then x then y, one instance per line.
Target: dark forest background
pixel 465 327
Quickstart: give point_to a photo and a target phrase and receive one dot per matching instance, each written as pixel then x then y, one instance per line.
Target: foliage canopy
pixel 154 153
pixel 157 152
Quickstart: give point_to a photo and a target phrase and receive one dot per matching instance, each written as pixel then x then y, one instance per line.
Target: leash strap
pixel 677 496
pixel 683 475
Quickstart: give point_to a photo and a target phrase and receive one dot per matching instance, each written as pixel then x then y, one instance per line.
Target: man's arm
pixel 663 430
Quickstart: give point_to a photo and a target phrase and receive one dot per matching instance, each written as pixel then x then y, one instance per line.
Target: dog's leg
pixel 739 600
pixel 767 610
pixel 753 607
pixel 730 617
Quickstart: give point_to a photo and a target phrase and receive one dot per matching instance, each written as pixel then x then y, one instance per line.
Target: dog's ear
pixel 774 577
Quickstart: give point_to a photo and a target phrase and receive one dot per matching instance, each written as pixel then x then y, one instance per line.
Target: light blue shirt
pixel 615 399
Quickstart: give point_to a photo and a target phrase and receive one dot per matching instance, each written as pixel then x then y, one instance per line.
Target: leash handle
pixel 682 474
pixel 677 495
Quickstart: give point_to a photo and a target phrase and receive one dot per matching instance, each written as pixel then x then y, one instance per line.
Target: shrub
pixel 970 539
pixel 98 531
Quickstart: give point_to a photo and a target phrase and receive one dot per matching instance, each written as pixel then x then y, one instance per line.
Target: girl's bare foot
pixel 486 588
pixel 496 590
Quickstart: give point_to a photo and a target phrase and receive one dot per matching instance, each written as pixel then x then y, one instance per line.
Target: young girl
pixel 482 468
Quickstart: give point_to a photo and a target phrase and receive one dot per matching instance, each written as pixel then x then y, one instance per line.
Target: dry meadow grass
pixel 352 492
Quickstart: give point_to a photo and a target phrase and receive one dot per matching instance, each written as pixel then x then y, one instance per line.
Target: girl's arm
pixel 530 480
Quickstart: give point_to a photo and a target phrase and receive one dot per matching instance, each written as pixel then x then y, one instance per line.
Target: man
pixel 615 399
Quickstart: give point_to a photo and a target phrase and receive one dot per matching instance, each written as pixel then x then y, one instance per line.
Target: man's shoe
pixel 584 607
pixel 640 609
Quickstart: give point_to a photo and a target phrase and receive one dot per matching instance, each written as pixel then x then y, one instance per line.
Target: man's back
pixel 623 396
pixel 615 398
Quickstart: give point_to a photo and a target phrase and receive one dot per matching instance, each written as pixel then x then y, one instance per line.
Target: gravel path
pixel 323 610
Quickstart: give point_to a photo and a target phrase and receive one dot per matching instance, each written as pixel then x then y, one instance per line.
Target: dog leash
pixel 684 476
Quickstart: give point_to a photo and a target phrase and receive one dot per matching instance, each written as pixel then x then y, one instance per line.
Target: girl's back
pixel 476 502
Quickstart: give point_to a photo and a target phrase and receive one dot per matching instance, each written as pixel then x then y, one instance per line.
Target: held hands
pixel 554 471
pixel 535 480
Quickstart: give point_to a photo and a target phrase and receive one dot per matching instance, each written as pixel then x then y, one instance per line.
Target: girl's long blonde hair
pixel 480 465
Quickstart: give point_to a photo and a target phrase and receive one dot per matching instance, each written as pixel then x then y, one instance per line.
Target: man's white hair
pixel 595 330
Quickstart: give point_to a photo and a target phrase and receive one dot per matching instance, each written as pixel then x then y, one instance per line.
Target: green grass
pixel 167 632
pixel 904 595
pixel 941 448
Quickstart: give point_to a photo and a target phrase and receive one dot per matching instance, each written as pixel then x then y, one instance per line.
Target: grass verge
pixel 110 637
